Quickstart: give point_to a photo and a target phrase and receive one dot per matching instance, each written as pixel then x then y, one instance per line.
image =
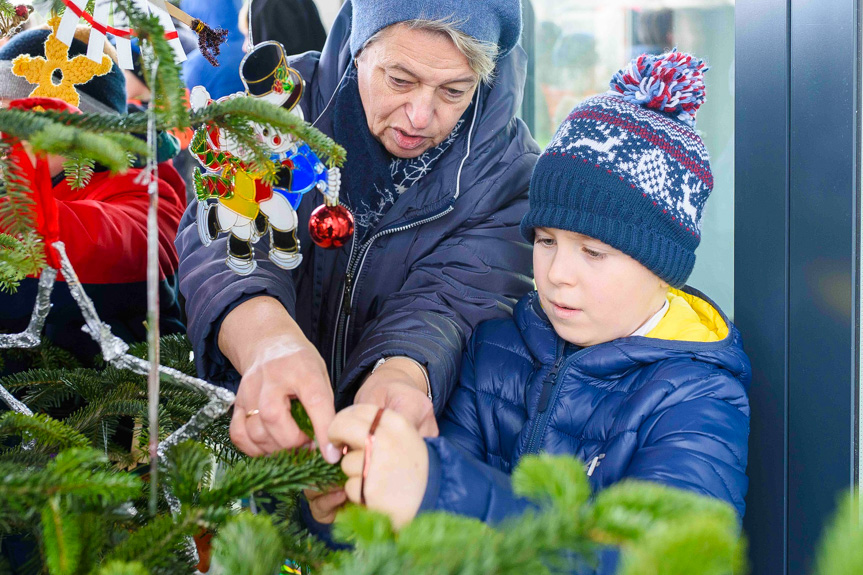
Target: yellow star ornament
pixel 40 71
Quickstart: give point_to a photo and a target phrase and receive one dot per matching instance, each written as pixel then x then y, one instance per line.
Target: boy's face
pixel 591 292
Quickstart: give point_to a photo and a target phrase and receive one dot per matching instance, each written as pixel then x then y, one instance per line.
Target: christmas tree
pixel 67 481
pixel 79 474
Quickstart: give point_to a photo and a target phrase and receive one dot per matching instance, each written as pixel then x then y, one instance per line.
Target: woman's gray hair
pixel 480 55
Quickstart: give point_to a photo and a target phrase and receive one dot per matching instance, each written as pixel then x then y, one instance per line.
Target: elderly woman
pixel 423 96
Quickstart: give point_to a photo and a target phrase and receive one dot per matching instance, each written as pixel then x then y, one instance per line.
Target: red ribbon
pixel 120 32
pixel 39 178
pixel 45 206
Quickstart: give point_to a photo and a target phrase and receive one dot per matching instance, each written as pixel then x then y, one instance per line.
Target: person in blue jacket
pixel 612 359
pixel 223 79
pixel 436 177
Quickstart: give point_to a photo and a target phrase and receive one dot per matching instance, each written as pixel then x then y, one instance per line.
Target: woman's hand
pixel 278 365
pixel 398 464
pixel 400 385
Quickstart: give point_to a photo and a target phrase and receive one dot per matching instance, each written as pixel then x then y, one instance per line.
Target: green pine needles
pixel 19 257
pixel 74 477
pixel 658 530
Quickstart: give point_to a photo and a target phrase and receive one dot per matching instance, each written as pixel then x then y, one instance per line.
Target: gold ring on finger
pixel 252 412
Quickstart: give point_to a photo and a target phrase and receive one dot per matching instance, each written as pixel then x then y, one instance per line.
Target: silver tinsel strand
pixel 114 351
pixel 32 336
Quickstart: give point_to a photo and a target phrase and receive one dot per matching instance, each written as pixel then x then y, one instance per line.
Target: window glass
pixel 576 46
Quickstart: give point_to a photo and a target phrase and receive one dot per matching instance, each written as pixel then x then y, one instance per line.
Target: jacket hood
pixel 694 327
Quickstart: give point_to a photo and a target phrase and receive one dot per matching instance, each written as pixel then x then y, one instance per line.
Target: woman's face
pixel 414 86
pixel 591 292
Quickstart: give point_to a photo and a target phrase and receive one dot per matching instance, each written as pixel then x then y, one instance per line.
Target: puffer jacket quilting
pixel 674 412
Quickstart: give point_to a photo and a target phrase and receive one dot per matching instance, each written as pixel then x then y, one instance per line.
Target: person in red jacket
pixel 103 224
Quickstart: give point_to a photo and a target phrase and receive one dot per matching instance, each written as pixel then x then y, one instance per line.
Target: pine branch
pixel 78 172
pixel 6 9
pixel 48 432
pixel 123 568
pixel 297 543
pixel 61 538
pixel 243 110
pixel 362 527
pixel 685 546
pixel 174 351
pixel 163 537
pixel 17 457
pixel 552 480
pixel 118 402
pixel 19 258
pixel 660 530
pixel 16 212
pixel 48 388
pixel 110 150
pixel 79 473
pixel 248 544
pixel 133 123
pixel 48 136
pixel 282 472
pixel 167 87
pixel 628 510
pixel 188 468
pixel 840 551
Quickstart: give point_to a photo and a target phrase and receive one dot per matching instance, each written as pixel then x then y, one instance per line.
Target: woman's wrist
pixel 416 373
pixel 248 328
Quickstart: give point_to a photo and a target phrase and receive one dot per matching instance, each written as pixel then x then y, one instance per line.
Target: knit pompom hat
pixel 628 168
pixel 103 94
pixel 495 21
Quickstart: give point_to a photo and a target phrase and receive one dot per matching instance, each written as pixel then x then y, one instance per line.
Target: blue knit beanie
pixel 496 21
pixel 628 168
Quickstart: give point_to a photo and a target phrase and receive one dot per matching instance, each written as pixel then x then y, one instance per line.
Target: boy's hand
pixel 325 505
pixel 398 466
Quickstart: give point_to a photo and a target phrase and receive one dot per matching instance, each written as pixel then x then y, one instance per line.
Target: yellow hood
pixel 690 318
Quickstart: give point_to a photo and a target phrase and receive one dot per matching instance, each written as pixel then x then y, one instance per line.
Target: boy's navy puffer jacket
pixel 670 407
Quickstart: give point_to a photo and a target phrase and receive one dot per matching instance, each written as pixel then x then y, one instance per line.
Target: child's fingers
pixel 352 489
pixel 324 507
pixel 352 463
pixel 351 426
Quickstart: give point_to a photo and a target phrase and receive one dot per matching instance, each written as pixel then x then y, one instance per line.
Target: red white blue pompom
pixel 672 83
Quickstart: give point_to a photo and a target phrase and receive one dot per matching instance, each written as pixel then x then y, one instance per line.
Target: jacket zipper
pixel 347 287
pixel 548 397
pixel 355 264
pixel 354 268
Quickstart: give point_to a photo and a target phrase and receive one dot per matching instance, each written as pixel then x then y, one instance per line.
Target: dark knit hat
pixel 102 94
pixel 628 168
pixel 495 21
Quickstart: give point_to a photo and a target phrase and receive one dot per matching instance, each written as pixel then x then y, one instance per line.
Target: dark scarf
pixel 372 179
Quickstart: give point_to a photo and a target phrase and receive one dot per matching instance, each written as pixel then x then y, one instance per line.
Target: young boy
pixel 611 359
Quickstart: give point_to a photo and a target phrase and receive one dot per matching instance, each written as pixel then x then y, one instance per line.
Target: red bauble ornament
pixel 331 226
